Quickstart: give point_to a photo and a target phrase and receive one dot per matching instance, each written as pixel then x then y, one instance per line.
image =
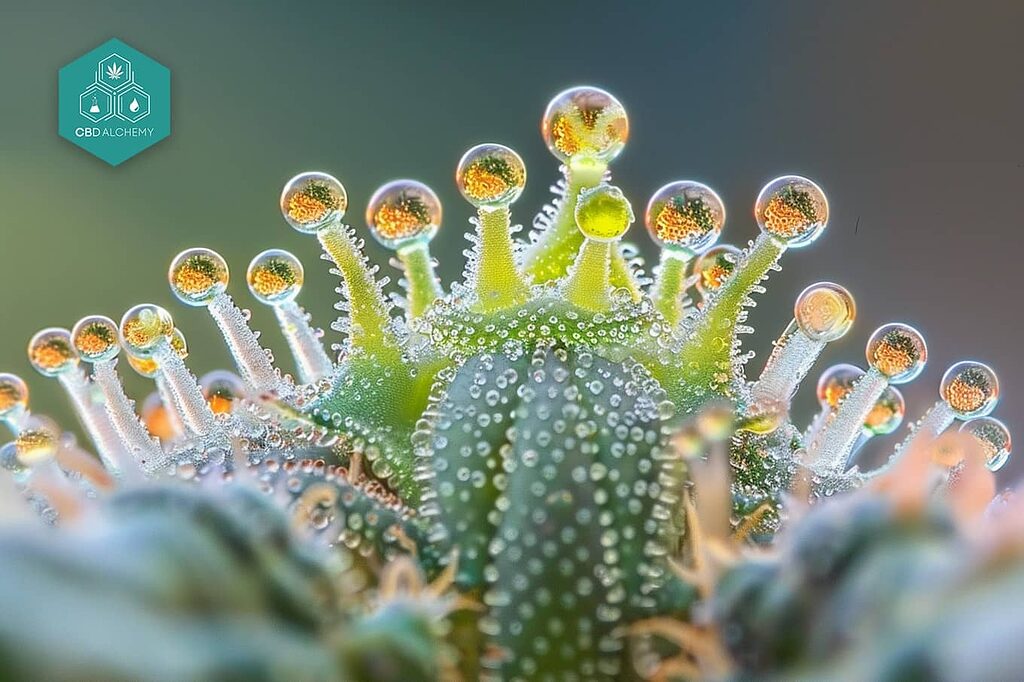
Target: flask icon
pixel 95 108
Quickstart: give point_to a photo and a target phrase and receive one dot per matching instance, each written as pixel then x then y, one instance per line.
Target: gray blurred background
pixel 908 114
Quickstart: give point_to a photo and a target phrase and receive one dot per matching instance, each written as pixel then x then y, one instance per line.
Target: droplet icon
pixel 134 106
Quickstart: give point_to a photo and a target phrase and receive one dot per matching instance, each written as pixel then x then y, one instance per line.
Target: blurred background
pixel 908 114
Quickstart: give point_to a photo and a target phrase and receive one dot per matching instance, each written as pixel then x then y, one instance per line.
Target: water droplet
pixel 147 367
pixel 898 351
pixel 585 122
pixel 970 388
pixel 686 216
pixel 197 276
pixel 603 213
pixel 825 311
pixel 715 266
pixel 36 443
pixel 887 413
pixel 221 388
pixel 836 382
pixel 13 395
pixel 274 277
pixel 491 175
pixel 51 352
pixel 403 211
pixel 144 325
pixel 792 209
pixel 312 201
pixel 95 338
pixel 994 437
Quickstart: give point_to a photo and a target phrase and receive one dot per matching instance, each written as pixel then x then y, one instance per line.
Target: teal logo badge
pixel 114 102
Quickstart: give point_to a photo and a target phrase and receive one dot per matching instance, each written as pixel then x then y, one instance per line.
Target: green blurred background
pixel 908 114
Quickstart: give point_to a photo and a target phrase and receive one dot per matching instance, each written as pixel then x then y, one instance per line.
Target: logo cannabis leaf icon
pixel 114 72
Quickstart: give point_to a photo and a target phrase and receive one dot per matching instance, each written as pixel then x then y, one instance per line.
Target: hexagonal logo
pixel 114 102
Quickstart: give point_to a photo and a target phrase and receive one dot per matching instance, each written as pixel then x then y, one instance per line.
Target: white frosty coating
pixel 830 452
pixel 171 405
pixel 789 363
pixel 928 428
pixel 814 430
pixel 815 427
pixel 310 357
pixel 121 411
pixel 94 418
pixel 251 358
pixel 188 397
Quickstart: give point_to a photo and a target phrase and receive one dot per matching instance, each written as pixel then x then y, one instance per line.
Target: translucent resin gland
pixel 685 216
pixel 197 276
pixel 994 438
pixel 490 175
pixel 96 338
pixel 715 266
pixel 312 201
pixel 274 277
pixel 887 414
pixel 835 384
pixel 603 213
pixel 402 212
pixel 898 351
pixel 585 122
pixel 147 367
pixel 51 352
pixel 159 417
pixel 825 311
pixel 221 389
pixel 970 388
pixel 36 444
pixel 143 326
pixel 13 395
pixel 792 210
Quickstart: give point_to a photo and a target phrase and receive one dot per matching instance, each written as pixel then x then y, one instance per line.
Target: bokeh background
pixel 908 114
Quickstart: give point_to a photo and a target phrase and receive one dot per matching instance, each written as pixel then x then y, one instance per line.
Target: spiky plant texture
pixel 494 481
